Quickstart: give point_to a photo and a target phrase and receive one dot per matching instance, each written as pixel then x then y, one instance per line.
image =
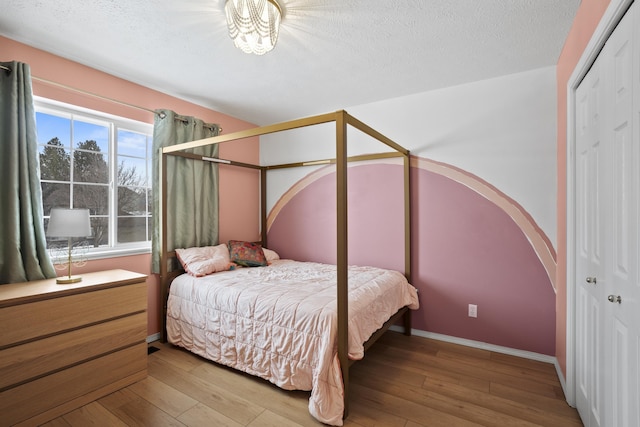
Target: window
pixel 101 162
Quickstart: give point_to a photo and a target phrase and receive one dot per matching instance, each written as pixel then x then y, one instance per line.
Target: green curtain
pixel 23 246
pixel 192 185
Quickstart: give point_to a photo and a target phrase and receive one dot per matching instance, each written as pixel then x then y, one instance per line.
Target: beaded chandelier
pixel 253 24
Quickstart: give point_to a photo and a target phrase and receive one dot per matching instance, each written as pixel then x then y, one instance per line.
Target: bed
pixel 279 322
pixel 340 295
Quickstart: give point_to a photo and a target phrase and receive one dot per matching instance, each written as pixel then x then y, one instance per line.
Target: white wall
pixel 502 130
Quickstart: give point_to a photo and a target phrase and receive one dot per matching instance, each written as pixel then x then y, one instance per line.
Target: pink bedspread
pixel 279 322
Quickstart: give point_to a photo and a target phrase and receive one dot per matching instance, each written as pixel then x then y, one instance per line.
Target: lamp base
pixel 68 279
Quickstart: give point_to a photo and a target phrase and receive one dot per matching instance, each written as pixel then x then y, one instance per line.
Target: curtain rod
pixel 106 98
pixel 84 92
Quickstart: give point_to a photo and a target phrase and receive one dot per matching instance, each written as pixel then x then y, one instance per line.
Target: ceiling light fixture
pixel 253 24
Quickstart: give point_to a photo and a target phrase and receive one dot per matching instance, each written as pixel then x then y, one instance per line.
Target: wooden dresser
pixel 63 346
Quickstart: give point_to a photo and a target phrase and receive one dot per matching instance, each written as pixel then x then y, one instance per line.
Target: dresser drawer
pixel 29 361
pixel 53 395
pixel 25 322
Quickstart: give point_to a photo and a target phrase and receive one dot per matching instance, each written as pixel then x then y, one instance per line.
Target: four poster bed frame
pixel 342 120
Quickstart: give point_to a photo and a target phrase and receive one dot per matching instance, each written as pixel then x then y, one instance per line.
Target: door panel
pixel 622 363
pixel 620 380
pixel 589 262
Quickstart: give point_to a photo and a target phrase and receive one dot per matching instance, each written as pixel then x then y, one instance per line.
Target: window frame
pixel 114 124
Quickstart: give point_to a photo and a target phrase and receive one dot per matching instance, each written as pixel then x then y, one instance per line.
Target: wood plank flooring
pixel 403 381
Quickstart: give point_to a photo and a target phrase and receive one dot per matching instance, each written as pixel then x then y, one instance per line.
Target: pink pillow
pixel 205 260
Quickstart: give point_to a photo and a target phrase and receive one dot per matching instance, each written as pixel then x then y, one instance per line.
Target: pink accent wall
pixel 465 250
pixel 305 229
pixel 587 18
pixel 239 210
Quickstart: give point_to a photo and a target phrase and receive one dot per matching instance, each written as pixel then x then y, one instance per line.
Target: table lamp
pixel 69 223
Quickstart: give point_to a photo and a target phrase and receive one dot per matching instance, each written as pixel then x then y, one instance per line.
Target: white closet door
pixel 621 386
pixel 608 232
pixel 590 262
pixel 632 293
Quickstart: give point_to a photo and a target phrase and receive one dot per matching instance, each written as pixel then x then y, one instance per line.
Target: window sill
pixel 114 253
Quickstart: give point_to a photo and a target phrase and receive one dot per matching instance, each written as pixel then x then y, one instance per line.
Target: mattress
pixel 279 322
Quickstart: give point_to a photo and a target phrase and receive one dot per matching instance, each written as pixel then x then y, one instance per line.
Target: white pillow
pixel 270 255
pixel 205 260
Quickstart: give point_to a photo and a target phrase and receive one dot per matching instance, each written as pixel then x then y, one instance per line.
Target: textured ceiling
pixel 331 54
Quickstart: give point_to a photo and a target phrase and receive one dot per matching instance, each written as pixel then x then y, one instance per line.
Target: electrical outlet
pixel 473 310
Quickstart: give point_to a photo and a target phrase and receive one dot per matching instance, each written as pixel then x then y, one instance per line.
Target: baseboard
pixel 484 346
pixel 563 383
pixel 154 337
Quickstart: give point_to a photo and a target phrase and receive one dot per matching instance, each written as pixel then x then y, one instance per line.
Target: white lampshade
pixel 69 223
pixel 253 24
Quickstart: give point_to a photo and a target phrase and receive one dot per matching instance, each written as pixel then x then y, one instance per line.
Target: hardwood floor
pixel 403 381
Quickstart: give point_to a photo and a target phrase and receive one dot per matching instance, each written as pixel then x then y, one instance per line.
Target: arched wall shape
pixel 470 245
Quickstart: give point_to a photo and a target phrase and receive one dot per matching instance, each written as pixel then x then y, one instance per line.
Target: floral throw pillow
pixel 247 254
